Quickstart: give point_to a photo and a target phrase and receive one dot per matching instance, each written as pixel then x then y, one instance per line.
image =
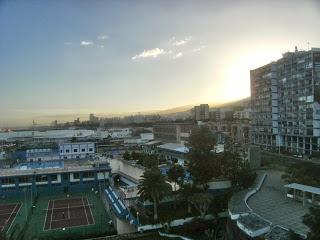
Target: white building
pixel 119 132
pixel 174 152
pixel 76 150
pixel 146 137
pixel 114 133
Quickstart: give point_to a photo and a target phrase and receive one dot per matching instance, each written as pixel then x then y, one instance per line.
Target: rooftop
pixel 304 188
pixel 152 143
pixel 68 166
pixel 271 204
pixel 174 147
pixel 237 204
pixel 253 222
pixel 40 165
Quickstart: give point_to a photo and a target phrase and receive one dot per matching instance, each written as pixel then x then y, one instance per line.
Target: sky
pixel 77 57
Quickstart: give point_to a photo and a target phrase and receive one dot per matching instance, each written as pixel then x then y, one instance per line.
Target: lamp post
pixel 138 218
pixel 25 201
pixel 33 183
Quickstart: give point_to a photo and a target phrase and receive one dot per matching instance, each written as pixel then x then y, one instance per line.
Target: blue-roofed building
pixel 53 177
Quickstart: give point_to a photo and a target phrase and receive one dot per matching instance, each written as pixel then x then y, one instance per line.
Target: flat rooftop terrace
pixel 271 204
pixel 237 203
pixel 253 222
pixel 52 167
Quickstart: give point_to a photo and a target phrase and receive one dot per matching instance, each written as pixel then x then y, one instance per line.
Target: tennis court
pixel 8 214
pixel 68 212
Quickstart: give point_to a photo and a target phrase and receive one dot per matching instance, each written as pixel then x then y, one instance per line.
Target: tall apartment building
pixel 201 112
pixel 285 101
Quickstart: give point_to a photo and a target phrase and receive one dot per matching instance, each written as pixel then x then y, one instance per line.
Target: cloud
pixel 86 43
pixel 103 37
pixel 178 55
pixel 151 53
pixel 181 42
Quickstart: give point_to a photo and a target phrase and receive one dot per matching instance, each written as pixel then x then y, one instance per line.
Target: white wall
pixel 76 150
pixel 122 166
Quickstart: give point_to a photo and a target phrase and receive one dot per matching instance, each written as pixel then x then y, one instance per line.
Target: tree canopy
pixel 303 173
pixel 153 187
pixel 176 174
pixel 312 220
pixel 202 165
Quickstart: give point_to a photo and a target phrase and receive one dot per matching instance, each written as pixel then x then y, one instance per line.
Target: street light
pixel 25 201
pixel 138 218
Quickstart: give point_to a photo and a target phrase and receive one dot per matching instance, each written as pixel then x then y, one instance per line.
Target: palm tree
pixel 153 187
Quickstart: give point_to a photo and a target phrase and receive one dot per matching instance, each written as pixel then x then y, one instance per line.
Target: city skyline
pixel 113 57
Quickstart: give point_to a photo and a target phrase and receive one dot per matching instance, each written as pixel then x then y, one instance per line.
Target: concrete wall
pixel 127 168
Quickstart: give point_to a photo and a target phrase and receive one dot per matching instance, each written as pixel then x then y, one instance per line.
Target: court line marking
pixel 51 213
pixel 45 219
pixel 85 211
pixel 6 221
pixel 9 216
pixel 15 216
pixel 90 211
pixel 82 225
pixel 68 211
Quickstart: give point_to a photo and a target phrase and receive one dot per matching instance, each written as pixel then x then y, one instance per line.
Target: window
pixel 7 180
pixel 67 150
pixel 90 149
pixel 75 150
pixel 88 175
pixel 83 150
pixel 65 176
pixel 54 177
pixel 25 179
pixel 41 178
pixel 76 176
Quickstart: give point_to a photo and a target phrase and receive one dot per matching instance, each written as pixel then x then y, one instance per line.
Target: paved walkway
pixel 270 203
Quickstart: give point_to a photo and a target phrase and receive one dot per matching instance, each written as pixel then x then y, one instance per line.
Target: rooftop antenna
pixel 308 46
pixel 296 49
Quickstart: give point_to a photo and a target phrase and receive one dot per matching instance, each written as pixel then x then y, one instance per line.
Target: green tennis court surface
pixel 72 216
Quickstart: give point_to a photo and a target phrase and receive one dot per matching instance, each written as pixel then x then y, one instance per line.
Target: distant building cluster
pixel 201 112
